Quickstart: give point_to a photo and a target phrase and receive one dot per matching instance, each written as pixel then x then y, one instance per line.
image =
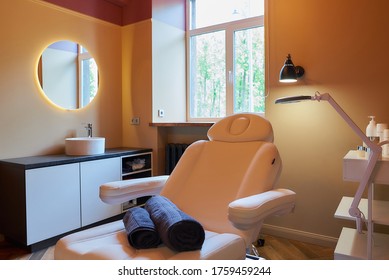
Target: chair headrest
pixel 244 127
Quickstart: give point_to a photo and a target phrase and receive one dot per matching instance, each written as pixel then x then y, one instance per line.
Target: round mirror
pixel 68 75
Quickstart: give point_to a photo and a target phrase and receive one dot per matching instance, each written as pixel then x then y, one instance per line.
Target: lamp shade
pixel 289 73
pixel 293 99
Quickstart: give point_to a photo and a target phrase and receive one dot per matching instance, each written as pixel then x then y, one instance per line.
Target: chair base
pixel 252 253
pixel 254 258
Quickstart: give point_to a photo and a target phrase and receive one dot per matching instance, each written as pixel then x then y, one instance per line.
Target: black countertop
pixel 52 160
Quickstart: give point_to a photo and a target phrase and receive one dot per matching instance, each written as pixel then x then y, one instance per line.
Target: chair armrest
pixel 246 212
pixel 122 191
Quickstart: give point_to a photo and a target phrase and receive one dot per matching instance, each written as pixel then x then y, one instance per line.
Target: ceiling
pixel 120 3
pixel 124 12
pixel 121 12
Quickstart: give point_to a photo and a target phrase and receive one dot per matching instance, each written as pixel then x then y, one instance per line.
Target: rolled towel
pixel 141 231
pixel 177 230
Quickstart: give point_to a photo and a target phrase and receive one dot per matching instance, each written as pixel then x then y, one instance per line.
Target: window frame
pixel 229 28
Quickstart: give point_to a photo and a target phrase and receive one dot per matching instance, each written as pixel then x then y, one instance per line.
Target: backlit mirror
pixel 68 75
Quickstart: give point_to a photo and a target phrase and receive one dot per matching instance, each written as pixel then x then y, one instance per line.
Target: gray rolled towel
pixel 177 230
pixel 141 231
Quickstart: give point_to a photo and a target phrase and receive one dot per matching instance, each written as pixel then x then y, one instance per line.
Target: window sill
pixel 183 124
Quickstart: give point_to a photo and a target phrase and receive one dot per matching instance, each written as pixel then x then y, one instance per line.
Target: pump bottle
pixel 371 128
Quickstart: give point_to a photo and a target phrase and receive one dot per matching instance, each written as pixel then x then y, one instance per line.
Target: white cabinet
pixel 45 197
pixel 66 197
pixel 52 201
pixel 93 174
pixel 369 244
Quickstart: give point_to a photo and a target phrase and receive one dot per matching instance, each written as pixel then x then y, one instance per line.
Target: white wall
pixel 169 72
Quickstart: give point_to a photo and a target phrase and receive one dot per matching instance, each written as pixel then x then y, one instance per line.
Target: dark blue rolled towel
pixel 141 231
pixel 177 230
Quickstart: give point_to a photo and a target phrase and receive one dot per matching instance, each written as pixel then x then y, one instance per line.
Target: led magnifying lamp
pixel 375 149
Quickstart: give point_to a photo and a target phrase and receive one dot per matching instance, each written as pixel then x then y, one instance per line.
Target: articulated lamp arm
pixel 375 150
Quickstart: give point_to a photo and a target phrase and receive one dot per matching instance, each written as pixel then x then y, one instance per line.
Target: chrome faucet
pixel 89 129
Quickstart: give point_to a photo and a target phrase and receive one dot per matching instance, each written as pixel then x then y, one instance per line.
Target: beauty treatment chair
pixel 226 183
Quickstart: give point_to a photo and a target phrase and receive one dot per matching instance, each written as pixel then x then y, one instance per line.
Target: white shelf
pixel 369 245
pixel 380 210
pixel 353 246
pixel 354 167
pixel 136 172
pixel 129 172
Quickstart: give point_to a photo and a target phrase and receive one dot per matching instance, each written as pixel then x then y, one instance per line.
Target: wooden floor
pixel 274 248
pixel 10 251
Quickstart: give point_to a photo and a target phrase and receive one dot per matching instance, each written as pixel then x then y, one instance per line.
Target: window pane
pixel 249 70
pixel 210 12
pixel 207 74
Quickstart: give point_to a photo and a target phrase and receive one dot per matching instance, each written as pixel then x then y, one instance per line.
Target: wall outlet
pixel 161 113
pixel 135 121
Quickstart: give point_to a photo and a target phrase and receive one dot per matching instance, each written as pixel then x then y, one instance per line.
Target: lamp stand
pixel 368 175
pixel 375 153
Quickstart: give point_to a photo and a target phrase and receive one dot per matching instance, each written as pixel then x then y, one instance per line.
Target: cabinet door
pixel 94 174
pixel 52 201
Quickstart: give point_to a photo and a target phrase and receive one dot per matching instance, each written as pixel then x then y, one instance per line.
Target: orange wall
pixel 137 85
pixel 29 124
pixel 343 47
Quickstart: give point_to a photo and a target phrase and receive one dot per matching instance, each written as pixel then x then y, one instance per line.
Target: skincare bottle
pixel 385 148
pixel 371 128
pixel 380 127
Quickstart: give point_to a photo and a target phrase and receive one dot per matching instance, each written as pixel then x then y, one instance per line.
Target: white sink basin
pixel 84 146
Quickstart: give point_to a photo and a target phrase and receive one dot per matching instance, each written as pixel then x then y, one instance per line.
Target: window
pixel 226 59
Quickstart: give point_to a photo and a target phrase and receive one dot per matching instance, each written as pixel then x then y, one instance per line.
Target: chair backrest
pixel 239 160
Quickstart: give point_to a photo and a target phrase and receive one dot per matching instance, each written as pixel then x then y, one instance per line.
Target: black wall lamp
pixel 290 73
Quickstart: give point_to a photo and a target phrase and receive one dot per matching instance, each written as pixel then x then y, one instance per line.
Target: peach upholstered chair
pixel 226 183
